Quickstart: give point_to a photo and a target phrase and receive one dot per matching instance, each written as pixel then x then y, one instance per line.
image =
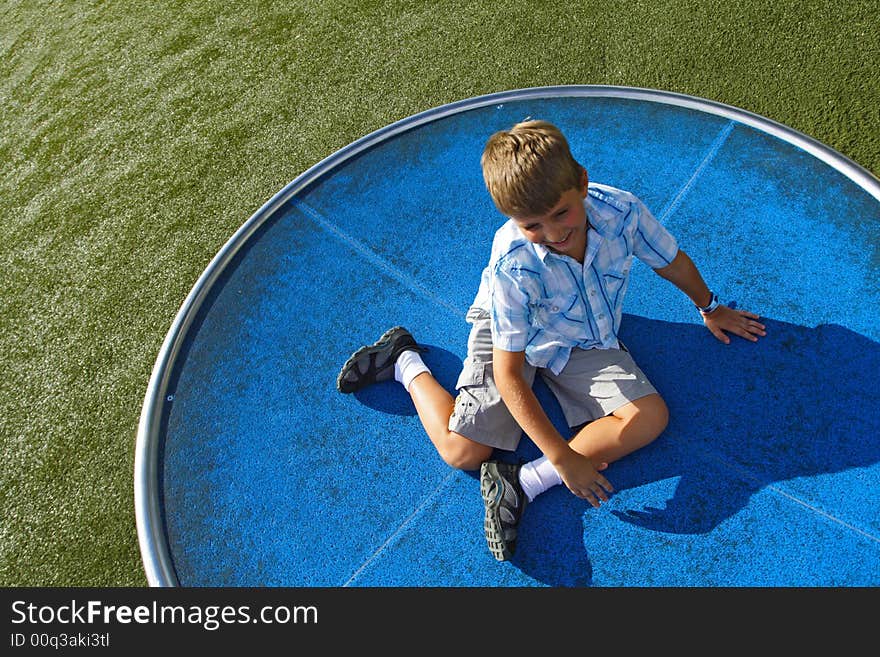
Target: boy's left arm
pixel 683 273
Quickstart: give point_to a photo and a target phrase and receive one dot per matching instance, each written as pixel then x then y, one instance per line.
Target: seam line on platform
pixel 707 158
pixel 375 259
pixel 391 538
pixel 824 514
pixel 414 286
pixel 744 472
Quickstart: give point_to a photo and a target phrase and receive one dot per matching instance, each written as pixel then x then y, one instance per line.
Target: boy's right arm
pixel 577 471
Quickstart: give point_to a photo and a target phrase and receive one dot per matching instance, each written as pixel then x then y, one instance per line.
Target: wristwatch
pixel 713 304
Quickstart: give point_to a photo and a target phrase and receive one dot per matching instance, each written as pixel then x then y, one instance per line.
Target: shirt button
pixel 555 309
pixel 592 293
pixel 601 316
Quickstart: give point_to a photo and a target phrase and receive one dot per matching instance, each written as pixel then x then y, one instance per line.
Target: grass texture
pixel 137 137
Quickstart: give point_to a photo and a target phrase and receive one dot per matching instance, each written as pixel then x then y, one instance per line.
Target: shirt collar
pixel 541 251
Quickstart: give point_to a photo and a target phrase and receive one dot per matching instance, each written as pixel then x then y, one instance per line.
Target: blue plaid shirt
pixel 546 304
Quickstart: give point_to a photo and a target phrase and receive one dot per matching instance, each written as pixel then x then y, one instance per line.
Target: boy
pixel 549 303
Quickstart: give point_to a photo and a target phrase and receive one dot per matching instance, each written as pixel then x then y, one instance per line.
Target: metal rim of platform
pixel 154 549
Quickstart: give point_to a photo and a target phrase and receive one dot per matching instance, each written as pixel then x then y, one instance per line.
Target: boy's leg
pixel 396 355
pixel 630 427
pixel 609 391
pixel 606 385
pixel 435 406
pixel 478 411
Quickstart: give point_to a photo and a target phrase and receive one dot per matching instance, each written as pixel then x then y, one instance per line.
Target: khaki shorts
pixel 593 384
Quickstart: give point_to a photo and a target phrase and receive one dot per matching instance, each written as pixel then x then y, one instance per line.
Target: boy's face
pixel 564 228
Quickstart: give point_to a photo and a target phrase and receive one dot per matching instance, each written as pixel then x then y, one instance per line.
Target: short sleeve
pixel 653 244
pixel 510 311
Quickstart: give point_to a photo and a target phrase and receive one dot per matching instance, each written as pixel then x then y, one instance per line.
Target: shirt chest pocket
pixel 563 314
pixel 614 282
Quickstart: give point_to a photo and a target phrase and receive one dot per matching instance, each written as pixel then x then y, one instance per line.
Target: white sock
pixel 408 366
pixel 537 476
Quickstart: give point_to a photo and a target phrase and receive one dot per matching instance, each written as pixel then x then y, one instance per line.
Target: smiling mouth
pixel 562 241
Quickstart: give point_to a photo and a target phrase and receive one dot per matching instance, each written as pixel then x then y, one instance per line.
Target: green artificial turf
pixel 138 136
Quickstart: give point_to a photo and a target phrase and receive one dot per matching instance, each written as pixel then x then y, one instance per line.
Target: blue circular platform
pixel 252 470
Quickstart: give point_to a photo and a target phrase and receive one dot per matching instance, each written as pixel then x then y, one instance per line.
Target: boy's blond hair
pixel 528 168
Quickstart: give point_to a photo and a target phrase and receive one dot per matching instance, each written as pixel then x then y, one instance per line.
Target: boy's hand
pixel 584 479
pixel 738 322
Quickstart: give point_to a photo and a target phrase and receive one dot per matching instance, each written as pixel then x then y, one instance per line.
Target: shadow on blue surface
pixel 800 403
pixel 390 397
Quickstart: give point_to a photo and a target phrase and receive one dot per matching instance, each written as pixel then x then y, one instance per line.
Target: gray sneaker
pixel 505 503
pixel 375 362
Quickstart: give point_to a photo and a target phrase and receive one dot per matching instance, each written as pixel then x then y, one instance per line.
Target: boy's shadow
pixel 799 402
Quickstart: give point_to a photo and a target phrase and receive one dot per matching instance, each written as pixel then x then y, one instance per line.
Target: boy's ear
pixel 584 182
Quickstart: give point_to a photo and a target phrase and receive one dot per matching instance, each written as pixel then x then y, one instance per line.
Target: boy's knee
pixel 650 413
pixel 656 414
pixel 465 454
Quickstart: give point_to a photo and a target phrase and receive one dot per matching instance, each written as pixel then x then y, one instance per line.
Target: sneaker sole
pixel 346 367
pixel 494 530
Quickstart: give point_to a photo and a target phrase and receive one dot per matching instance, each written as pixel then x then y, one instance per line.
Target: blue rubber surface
pixel 767 475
